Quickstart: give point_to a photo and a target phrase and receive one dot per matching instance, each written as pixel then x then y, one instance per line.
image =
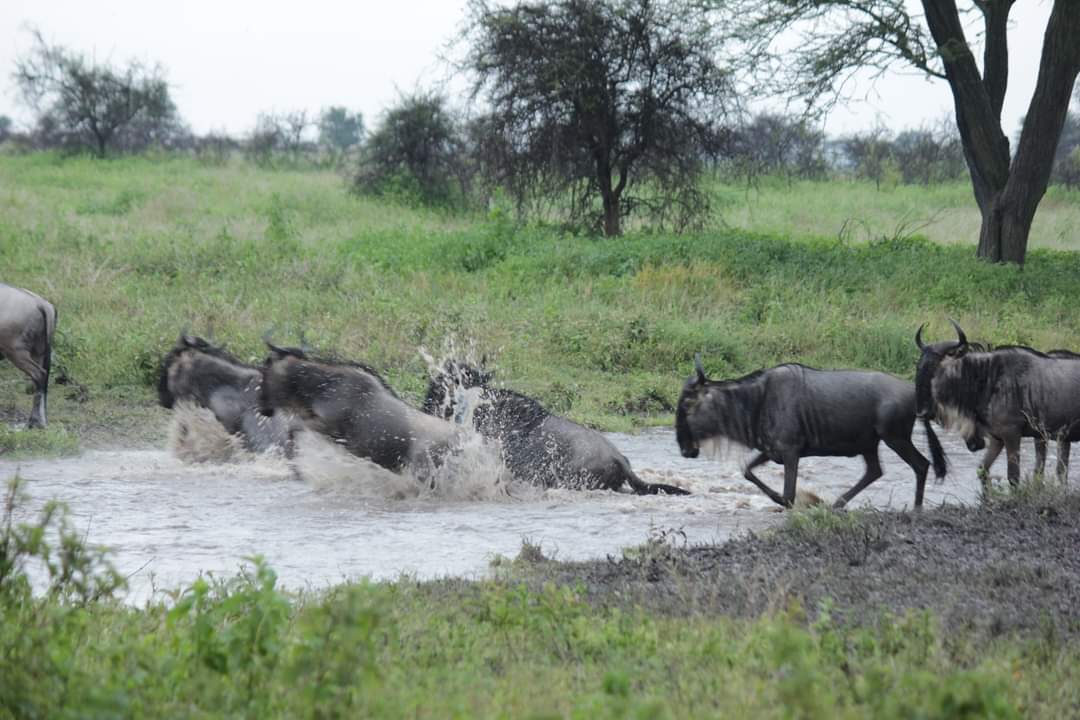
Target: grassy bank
pixel 506 647
pixel 133 250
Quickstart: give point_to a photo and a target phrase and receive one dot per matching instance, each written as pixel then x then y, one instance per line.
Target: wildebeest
pixel 207 375
pixel 27 324
pixel 350 403
pixel 1003 394
pixel 537 447
pixel 793 411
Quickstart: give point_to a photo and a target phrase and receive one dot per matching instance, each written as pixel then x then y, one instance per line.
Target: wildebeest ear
pixel 189 340
pixel 700 369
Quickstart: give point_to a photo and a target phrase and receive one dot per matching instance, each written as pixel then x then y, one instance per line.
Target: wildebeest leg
pixel 749 475
pixel 791 476
pixel 1012 455
pixel 992 452
pixel 23 360
pixel 910 454
pixel 1063 461
pixel 1040 455
pixel 873 472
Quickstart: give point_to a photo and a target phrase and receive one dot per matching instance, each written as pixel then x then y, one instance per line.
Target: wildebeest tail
pixel 937 455
pixel 641 487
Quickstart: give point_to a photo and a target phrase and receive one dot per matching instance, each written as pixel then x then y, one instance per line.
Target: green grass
pixel 134 250
pixel 241 646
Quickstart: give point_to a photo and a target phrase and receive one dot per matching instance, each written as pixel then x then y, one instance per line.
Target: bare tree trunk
pixel 612 225
pixel 1007 194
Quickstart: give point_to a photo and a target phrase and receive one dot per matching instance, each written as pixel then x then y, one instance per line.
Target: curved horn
pixel 918 337
pixel 959 333
pixel 700 368
pixel 273 348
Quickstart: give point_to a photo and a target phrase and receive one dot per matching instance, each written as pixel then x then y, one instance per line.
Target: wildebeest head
pixel 178 379
pixel 937 361
pixel 932 355
pixel 453 377
pixel 693 391
pixel 275 376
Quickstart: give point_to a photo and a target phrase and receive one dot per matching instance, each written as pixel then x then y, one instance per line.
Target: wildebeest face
pixel 275 371
pixel 693 391
pixel 175 380
pixel 927 368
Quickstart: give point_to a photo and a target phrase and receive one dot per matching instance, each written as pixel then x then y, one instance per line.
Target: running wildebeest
pixel 537 447
pixel 793 411
pixel 350 403
pixel 199 372
pixel 1004 394
pixel 27 324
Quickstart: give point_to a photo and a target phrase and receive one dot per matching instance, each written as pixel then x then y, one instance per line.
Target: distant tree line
pixel 602 112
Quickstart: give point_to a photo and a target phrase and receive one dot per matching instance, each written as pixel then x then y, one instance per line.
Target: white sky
pixel 229 60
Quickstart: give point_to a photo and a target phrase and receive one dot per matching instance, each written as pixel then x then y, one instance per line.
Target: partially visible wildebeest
pixel 199 372
pixel 350 403
pixel 27 324
pixel 537 447
pixel 793 411
pixel 1003 394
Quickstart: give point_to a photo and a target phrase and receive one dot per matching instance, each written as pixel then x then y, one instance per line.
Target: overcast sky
pixel 228 60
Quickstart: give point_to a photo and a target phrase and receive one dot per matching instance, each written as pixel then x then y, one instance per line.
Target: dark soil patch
pixel 1009 565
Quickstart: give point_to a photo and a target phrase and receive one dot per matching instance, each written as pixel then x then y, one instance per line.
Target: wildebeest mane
pixel 331 359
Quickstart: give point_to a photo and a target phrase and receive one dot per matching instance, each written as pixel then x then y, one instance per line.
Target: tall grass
pixel 134 250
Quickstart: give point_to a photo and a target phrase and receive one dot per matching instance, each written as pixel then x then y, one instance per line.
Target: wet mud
pixel 1006 566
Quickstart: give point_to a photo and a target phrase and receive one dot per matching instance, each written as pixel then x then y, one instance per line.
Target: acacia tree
pixel 340 131
pixel 842 37
pixel 415 150
pixel 608 103
pixel 90 102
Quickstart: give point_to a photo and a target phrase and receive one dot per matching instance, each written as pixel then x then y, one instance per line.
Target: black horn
pixel 961 337
pixel 700 368
pixel 918 337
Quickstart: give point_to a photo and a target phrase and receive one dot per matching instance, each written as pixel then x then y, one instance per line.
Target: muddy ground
pixel 1010 565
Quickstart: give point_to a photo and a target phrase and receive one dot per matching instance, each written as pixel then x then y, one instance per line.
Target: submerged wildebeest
pixel 27 324
pixel 199 372
pixel 537 447
pixel 793 411
pixel 1003 394
pixel 350 403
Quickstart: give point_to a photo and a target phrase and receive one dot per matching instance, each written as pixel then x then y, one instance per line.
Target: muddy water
pixel 167 520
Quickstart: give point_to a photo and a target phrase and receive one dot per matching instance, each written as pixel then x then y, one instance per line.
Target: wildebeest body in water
pixel 793 411
pixel 538 447
pixel 208 376
pixel 353 406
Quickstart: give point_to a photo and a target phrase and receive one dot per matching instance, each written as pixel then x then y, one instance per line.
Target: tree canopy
pixel 607 105
pixel 94 104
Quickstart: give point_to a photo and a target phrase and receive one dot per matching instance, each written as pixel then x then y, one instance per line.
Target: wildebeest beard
pixel 718 416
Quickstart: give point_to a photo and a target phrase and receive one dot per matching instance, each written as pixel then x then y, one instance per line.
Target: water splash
pixel 195 436
pixel 472 471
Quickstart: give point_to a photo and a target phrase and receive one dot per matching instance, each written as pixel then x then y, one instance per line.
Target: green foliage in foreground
pixel 131 251
pixel 242 646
